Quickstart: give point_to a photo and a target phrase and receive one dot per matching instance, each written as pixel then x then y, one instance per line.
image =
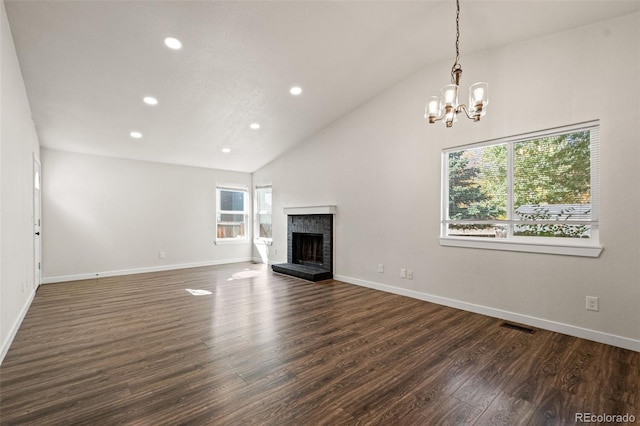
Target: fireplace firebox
pixel 309 247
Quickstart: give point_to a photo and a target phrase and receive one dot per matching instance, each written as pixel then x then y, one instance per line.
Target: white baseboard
pixel 16 325
pixel 77 277
pixel 571 330
pixel 268 262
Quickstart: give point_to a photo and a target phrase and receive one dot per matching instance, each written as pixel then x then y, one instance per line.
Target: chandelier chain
pixel 456 65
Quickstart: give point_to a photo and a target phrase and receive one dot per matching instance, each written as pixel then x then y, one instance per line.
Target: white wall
pixel 381 166
pixel 111 216
pixel 18 146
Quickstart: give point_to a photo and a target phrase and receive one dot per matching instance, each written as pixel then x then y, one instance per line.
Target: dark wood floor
pixel 264 348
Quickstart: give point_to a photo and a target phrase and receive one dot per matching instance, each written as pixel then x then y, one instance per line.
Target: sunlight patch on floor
pixel 196 292
pixel 247 273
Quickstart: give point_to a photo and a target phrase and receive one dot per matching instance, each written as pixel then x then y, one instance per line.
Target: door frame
pixel 37 223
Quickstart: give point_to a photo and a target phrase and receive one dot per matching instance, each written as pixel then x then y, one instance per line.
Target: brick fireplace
pixel 309 243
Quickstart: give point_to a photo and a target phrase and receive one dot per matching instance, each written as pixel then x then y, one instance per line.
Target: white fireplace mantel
pixel 310 210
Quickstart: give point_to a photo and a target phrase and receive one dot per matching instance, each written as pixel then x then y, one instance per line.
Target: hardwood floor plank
pixel 507 411
pixel 452 411
pixel 268 349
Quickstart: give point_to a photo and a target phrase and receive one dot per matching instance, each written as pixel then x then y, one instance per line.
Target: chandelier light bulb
pixel 450 96
pixel 478 95
pixel 432 110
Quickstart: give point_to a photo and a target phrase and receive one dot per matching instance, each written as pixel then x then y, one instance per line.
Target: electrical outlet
pixel 409 274
pixel 380 268
pixel 162 255
pixel 592 303
pixel 403 273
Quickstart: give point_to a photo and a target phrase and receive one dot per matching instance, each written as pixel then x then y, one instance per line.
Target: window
pixel 231 214
pixel 524 193
pixel 263 211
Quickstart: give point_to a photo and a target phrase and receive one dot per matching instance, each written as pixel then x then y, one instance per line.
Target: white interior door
pixel 37 239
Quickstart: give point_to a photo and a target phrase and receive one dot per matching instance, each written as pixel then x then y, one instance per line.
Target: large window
pixel 263 211
pixel 232 213
pixel 535 189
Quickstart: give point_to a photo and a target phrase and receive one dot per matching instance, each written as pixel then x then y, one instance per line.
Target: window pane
pixel 552 230
pixel 232 218
pixel 231 230
pixel 264 205
pixel 264 199
pixel 478 189
pixel 231 200
pixel 264 226
pixel 493 230
pixel 552 182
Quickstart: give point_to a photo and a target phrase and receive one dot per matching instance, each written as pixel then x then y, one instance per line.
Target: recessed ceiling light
pixel 150 100
pixel 226 150
pixel 173 43
pixel 295 90
pixel 135 135
pixel 255 126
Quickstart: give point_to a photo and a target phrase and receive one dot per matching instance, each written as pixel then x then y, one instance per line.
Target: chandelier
pixel 446 107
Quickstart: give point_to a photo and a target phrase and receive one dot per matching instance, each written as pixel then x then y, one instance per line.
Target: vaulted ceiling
pixel 88 64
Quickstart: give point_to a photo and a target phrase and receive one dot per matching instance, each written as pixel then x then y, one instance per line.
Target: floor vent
pixel 517 327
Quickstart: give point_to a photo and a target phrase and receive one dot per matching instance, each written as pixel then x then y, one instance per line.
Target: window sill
pixel 231 241
pixel 263 241
pixel 566 250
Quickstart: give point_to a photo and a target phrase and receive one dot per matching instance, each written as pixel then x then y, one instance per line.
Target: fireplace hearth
pixel 309 247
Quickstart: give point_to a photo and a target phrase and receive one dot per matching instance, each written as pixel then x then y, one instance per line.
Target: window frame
pixel 589 247
pixel 257 213
pixel 245 212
